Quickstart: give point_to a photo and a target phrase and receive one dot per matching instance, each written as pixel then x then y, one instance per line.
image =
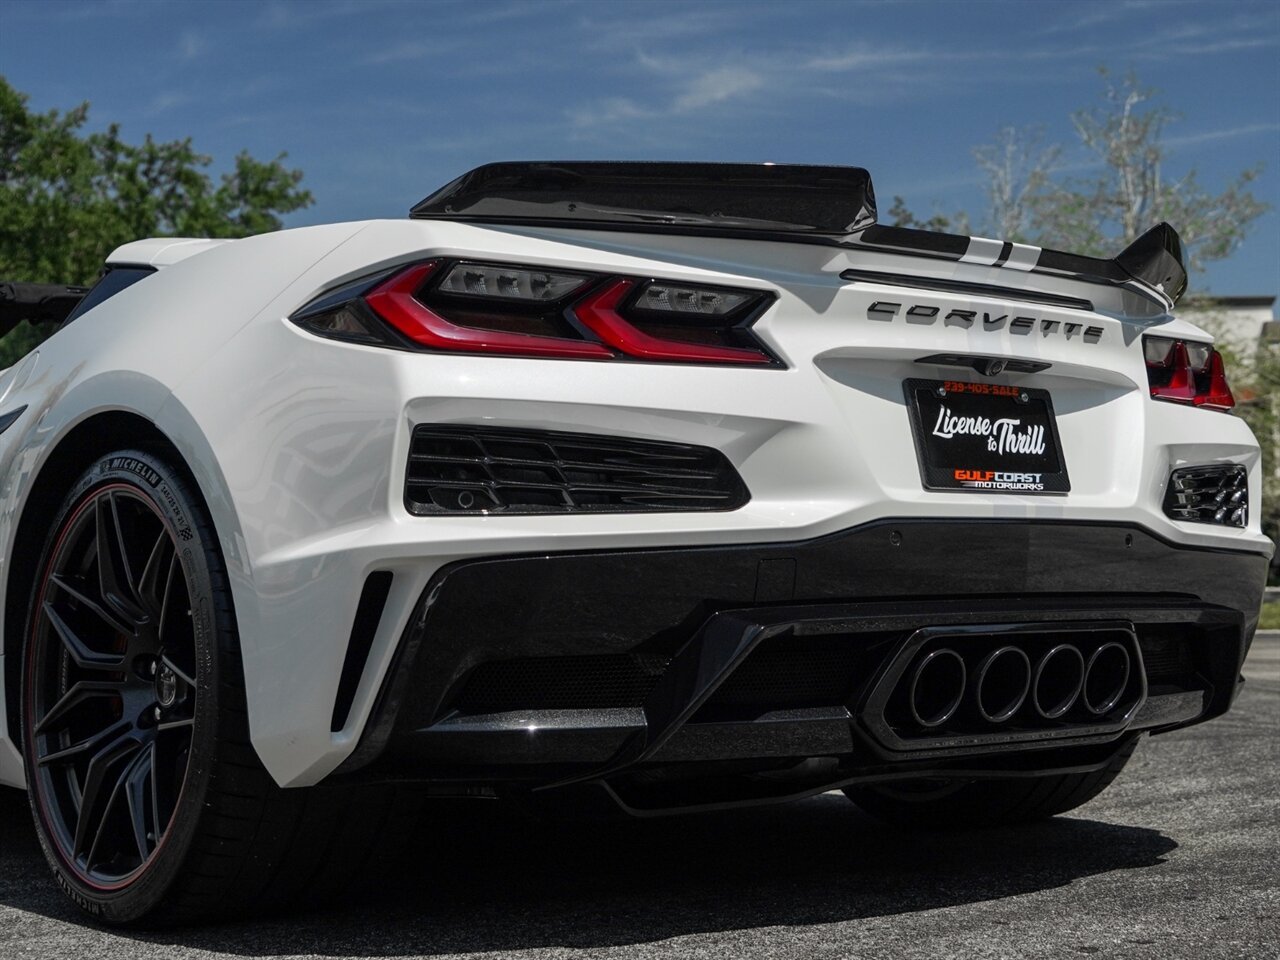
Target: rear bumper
pixel 598 667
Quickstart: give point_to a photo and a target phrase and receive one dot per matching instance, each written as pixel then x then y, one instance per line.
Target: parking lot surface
pixel 1178 859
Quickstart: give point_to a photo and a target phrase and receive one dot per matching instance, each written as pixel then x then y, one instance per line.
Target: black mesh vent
pixel 787 674
pixel 561 683
pixel 1210 494
pixel 470 470
pixel 1167 657
pixel 781 675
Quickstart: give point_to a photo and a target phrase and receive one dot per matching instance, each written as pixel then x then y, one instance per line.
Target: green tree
pixel 1254 374
pixel 1101 214
pixel 900 216
pixel 68 197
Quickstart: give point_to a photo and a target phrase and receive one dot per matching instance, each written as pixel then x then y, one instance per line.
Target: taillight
pixel 1186 371
pixel 470 307
pixel 472 329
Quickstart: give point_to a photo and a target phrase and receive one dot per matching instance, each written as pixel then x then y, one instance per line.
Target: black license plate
pixel 986 437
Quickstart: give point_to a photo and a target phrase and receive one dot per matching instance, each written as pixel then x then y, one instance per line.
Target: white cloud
pixel 165 101
pixel 409 50
pixel 608 112
pixel 868 57
pixel 715 87
pixel 1213 136
pixel 190 45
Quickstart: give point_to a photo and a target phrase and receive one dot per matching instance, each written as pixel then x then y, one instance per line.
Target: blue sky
pixel 381 102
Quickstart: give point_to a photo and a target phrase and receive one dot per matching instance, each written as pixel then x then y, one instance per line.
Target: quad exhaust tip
pixel 1005 679
pixel 937 687
pixel 1058 680
pixel 1105 678
pixel 1002 684
pixel 1007 683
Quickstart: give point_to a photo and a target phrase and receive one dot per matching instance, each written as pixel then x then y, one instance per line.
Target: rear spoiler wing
pixel 1153 262
pixel 830 205
pixel 787 201
pixel 36 303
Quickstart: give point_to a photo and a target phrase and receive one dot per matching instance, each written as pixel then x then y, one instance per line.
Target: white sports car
pixel 676 486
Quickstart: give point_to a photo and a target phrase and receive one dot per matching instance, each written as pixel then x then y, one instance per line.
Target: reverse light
pixel 510 283
pixel 670 299
pixel 472 307
pixel 1186 371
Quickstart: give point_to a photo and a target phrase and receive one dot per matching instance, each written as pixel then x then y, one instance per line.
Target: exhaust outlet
pixel 1105 678
pixel 1002 684
pixel 937 687
pixel 1058 680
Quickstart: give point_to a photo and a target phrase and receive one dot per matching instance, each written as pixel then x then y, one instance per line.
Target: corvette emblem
pixel 991 320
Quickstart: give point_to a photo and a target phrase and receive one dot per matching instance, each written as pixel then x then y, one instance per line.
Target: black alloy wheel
pixel 111 680
pixel 150 802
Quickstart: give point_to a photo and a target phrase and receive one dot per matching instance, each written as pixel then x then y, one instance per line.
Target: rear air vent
pixel 373 598
pixel 479 470
pixel 1211 494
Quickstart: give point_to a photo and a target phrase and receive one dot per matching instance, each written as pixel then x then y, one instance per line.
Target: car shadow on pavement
pixel 487 880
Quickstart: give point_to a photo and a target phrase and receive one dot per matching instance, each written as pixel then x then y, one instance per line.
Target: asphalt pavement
pixel 1179 858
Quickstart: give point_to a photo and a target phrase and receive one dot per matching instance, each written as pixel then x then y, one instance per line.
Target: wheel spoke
pixel 83 657
pixel 90 823
pixel 156 827
pixel 79 693
pixel 135 778
pixel 114 576
pixel 149 587
pixel 65 584
pixel 164 602
pixel 88 745
pixel 176 724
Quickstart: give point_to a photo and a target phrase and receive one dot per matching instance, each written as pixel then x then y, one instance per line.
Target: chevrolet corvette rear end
pixel 670 486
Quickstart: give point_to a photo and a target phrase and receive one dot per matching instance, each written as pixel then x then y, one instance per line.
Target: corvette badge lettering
pixel 988 320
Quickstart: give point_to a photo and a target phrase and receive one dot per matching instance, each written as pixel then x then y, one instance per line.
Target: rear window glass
pixel 112 281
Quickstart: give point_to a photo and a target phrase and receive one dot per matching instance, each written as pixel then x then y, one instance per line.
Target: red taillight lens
pixel 1186 371
pixel 396 302
pixel 472 307
pixel 600 314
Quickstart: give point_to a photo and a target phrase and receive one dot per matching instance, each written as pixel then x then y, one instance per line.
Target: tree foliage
pixel 1260 377
pixel 1101 214
pixel 901 216
pixel 1018 166
pixel 1127 191
pixel 1255 380
pixel 68 197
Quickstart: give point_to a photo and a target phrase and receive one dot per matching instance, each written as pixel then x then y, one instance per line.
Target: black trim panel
pixel 654 601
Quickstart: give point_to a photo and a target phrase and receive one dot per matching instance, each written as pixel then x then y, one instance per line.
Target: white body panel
pixel 299 443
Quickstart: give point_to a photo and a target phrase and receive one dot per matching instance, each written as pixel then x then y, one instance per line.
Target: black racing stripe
pixel 1005 252
pixel 962 286
pixel 1077 266
pixel 948 245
